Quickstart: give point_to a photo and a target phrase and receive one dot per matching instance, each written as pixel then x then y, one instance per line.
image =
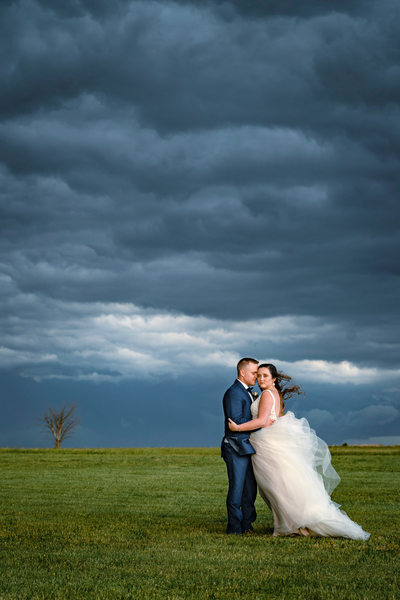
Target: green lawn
pixel 149 523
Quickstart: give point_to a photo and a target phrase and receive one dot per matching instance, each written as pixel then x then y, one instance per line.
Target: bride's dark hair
pixel 281 384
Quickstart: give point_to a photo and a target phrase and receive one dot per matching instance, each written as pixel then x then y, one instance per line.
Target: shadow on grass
pixel 219 527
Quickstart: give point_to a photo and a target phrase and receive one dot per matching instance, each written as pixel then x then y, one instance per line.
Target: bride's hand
pixel 232 425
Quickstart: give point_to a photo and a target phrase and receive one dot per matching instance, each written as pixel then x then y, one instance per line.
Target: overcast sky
pixel 185 183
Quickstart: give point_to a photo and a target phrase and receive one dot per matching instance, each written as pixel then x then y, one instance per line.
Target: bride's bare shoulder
pixel 265 396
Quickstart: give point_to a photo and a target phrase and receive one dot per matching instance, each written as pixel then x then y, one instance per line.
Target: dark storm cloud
pixel 183 66
pixel 225 159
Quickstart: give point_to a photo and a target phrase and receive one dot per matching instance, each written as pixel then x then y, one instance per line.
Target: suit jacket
pixel 237 404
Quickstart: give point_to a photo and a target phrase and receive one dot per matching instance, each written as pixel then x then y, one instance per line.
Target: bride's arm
pixel 263 419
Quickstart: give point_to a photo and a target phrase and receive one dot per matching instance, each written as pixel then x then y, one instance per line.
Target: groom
pixel 236 450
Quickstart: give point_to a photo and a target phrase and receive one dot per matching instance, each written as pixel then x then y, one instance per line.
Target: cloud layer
pixel 194 181
pixel 109 341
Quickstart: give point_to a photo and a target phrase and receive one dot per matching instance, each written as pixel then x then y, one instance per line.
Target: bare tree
pixel 60 424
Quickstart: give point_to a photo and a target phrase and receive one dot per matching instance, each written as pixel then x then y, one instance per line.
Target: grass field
pixel 149 523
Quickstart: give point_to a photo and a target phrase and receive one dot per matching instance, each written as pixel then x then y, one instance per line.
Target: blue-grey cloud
pixel 177 177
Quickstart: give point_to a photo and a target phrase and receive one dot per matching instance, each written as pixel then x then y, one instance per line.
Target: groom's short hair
pixel 243 362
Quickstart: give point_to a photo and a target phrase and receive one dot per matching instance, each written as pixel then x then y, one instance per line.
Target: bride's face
pixel 264 378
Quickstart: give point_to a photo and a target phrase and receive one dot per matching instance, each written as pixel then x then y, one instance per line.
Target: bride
pixel 292 465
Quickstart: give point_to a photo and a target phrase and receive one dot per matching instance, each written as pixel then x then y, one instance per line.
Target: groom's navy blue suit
pixel 236 451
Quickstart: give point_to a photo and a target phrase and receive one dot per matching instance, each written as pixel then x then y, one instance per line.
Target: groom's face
pixel 249 374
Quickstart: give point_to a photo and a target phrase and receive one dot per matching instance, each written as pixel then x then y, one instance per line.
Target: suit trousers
pixel 242 491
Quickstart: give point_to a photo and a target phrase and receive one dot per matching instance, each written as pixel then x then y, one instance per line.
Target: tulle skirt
pixel 295 477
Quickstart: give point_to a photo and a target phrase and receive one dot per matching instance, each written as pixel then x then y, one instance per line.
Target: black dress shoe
pixel 249 531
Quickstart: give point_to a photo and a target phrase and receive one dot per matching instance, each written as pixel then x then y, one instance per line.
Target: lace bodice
pixel 256 403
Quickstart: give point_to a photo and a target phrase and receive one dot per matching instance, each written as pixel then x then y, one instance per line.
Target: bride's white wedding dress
pixel 295 477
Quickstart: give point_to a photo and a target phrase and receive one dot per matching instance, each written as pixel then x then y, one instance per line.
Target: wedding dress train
pixel 295 477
